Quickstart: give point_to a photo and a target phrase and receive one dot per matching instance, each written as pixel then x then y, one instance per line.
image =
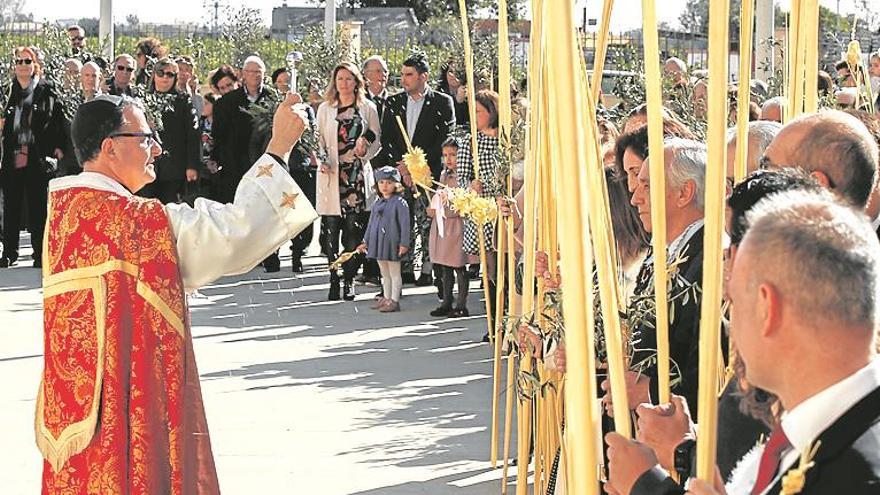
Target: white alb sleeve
pixel 215 239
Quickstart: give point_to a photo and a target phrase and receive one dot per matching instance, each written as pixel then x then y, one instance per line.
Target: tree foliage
pixel 695 18
pixel 11 10
pixel 428 9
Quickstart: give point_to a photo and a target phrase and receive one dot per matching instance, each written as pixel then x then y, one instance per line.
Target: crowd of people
pixel 801 268
pixel 802 263
pixel 210 136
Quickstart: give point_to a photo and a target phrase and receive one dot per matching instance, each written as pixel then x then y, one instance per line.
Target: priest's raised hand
pixel 119 408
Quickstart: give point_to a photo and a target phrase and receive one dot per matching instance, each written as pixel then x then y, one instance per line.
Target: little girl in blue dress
pixel 387 237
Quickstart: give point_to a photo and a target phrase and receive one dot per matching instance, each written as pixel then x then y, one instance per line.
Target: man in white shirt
pixel 804 294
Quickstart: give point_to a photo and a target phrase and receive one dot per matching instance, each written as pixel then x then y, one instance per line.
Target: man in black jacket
pixel 376 75
pixel 121 82
pixel 235 146
pixel 427 116
pixel 805 291
pixel 685 162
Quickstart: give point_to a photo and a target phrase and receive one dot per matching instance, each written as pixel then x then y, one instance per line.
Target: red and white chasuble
pixel 119 408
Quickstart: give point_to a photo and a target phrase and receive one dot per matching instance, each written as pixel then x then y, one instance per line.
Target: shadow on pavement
pixel 437 371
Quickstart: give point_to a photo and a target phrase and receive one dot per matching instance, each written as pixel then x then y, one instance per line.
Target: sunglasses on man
pixel 126 69
pixel 78 38
pixel 23 61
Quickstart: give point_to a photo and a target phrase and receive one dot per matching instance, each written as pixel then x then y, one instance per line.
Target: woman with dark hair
pixel 206 140
pixel 489 184
pixel 281 79
pixel 631 148
pixel 450 84
pixel 149 50
pixel 223 79
pixel 33 137
pixel 349 127
pixel 178 165
pixel 629 234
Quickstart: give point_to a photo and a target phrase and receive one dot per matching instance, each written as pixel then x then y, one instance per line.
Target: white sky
pixel 626 14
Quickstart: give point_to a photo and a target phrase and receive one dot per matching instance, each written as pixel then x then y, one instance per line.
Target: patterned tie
pixel 770 459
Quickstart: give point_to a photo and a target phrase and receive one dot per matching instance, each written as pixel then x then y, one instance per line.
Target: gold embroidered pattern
pixel 58 446
pixel 264 170
pixel 288 200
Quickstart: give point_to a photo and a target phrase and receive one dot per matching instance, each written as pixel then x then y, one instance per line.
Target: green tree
pixel 695 19
pixel 427 9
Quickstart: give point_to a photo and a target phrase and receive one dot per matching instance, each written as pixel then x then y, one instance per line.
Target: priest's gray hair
pixel 688 162
pixel 823 256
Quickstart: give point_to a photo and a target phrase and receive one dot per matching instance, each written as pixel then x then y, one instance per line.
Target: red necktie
pixel 770 459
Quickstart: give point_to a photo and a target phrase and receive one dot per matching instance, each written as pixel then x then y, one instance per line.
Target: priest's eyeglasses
pixel 151 137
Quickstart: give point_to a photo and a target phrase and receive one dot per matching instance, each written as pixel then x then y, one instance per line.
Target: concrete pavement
pixel 302 395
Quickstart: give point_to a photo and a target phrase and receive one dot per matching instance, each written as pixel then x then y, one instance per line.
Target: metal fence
pixel 689 47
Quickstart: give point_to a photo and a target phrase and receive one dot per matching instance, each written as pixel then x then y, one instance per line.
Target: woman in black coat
pixel 33 137
pixel 450 84
pixel 179 162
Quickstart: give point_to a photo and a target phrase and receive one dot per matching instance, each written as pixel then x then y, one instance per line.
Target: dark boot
pixel 296 265
pixel 272 264
pixel 440 283
pixel 347 293
pixel 441 276
pixel 334 287
pixel 442 310
pixel 460 310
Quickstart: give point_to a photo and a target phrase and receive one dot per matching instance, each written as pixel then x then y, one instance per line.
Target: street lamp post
pixel 330 21
pixel 105 29
pixel 764 33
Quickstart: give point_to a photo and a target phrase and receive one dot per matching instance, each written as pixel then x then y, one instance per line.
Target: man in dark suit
pixel 428 116
pixel 686 167
pixel 121 82
pixel 233 127
pixel 375 72
pixel 804 291
pixel 236 144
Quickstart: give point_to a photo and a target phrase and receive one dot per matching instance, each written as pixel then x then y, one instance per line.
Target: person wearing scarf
pixel 33 137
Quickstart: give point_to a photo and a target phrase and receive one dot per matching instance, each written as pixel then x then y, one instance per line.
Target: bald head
pixel 834 147
pixel 772 110
pixel 674 65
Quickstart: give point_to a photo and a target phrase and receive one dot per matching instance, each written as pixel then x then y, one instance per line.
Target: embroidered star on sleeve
pixel 264 170
pixel 288 200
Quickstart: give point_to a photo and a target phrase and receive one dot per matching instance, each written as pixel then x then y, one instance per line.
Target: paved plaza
pixel 302 395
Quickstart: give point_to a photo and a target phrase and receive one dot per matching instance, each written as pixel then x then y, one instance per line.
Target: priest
pixel 119 408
